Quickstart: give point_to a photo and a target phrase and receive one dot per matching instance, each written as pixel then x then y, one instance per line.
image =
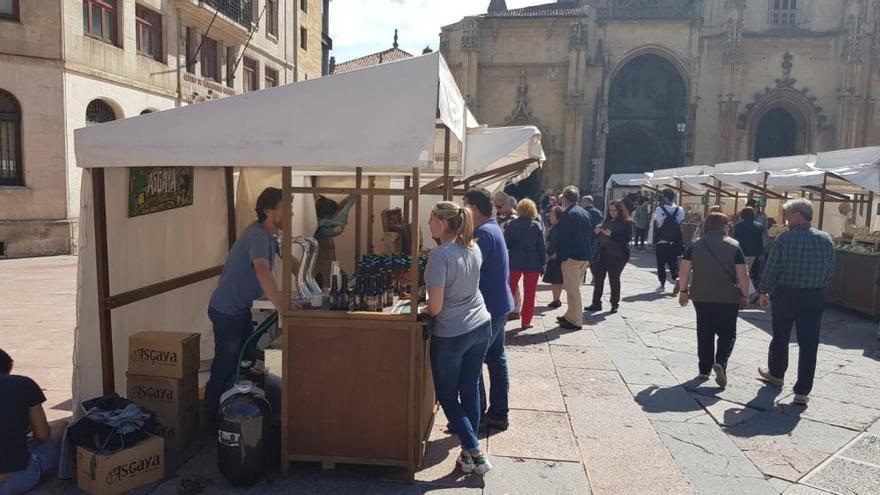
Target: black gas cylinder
pixel 244 420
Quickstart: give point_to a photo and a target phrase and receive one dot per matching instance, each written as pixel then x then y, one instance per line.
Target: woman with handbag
pixel 614 236
pixel 553 271
pixel 719 287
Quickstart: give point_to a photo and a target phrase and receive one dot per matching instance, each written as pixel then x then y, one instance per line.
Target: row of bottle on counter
pixel 378 280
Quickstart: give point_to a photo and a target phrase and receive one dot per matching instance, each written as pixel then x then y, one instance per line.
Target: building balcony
pixel 645 13
pixel 232 22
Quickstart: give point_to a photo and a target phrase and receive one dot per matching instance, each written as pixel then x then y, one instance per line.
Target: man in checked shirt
pixel 794 278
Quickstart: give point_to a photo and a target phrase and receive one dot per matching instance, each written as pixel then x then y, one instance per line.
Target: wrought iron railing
pixel 644 13
pixel 239 11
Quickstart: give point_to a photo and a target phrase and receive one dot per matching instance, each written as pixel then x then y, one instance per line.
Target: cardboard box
pixel 175 403
pixel 122 471
pixel 179 431
pixel 170 354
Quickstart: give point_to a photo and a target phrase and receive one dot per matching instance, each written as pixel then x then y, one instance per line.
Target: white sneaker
pixel 481 464
pixel 466 462
pixel 720 375
pixel 765 376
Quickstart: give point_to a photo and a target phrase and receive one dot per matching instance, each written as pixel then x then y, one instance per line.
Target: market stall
pixel 851 178
pixel 156 269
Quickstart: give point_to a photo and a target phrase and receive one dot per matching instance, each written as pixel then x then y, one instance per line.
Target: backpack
pixel 670 231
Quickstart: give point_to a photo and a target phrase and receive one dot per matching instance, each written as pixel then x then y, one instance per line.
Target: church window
pixel 783 12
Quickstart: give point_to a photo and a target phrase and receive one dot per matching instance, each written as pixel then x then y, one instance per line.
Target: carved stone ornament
pixel 444 43
pixel 733 46
pixel 470 35
pixel 522 113
pixel 852 49
pixel 784 90
pixel 578 37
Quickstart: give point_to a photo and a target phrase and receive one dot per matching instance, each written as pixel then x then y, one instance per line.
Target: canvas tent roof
pixel 492 148
pixel 381 117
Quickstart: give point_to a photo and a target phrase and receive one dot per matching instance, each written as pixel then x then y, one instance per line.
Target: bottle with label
pixel 334 295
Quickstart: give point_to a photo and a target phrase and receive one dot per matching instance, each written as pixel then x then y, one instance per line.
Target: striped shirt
pixel 802 258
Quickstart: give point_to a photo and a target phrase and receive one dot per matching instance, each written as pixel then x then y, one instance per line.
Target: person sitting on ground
pixel 24 460
pixel 719 287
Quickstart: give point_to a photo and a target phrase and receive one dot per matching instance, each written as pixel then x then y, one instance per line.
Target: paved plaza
pixel 609 409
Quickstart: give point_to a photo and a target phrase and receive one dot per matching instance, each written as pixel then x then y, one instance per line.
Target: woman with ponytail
pixel 462 327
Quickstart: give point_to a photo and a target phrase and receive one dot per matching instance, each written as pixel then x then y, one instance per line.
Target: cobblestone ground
pixel 613 409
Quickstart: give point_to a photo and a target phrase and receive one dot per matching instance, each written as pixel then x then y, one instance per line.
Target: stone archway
pixel 778 134
pixel 647 101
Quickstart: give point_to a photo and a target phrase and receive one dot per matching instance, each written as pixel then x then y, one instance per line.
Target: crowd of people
pixel 723 270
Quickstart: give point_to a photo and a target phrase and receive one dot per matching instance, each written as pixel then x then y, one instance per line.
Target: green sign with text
pixel 155 189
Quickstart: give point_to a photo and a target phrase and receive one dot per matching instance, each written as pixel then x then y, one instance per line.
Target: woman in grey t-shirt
pixel 462 327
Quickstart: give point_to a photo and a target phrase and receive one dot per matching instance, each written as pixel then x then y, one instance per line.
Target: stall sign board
pixel 155 189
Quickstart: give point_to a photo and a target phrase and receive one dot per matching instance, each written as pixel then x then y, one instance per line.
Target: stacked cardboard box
pixel 163 378
pixel 122 471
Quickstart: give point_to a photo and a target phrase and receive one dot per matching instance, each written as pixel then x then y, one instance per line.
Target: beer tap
pixel 310 268
pixel 302 284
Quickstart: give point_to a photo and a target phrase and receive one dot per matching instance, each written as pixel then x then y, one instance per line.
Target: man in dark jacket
pixel 596 218
pixel 575 251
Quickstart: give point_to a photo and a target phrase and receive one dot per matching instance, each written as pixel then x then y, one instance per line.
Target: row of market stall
pixel 844 186
pixel 356 387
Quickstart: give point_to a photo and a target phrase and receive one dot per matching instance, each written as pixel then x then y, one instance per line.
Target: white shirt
pixel 659 216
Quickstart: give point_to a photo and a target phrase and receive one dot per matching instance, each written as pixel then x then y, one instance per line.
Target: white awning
pixel 382 117
pixel 492 148
pixel 860 166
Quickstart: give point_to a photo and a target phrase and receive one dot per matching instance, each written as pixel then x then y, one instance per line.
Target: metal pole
pixel 414 247
pixel 358 214
pixel 102 265
pixel 870 209
pixel 286 239
pixel 822 201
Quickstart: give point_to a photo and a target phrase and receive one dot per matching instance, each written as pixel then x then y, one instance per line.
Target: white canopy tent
pixel 157 271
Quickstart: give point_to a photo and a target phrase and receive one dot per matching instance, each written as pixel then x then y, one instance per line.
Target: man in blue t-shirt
pixel 495 288
pixel 247 275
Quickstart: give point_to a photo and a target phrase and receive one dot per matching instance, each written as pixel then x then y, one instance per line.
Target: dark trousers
pixel 612 267
pixel 641 236
pixel 801 308
pixel 667 255
pixel 715 319
pixel 230 334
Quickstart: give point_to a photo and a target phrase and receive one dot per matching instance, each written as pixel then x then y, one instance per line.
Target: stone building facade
pixel 634 85
pixel 70 63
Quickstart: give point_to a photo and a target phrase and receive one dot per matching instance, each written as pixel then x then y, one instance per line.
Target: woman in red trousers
pixel 525 244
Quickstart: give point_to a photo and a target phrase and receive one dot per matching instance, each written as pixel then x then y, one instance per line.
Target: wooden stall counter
pixel 357 389
pixel 854 285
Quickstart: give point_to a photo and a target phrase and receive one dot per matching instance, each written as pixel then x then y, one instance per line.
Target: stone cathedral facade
pixel 621 86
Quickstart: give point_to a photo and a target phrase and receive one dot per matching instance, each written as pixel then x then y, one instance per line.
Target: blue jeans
pixel 44 458
pixel 456 365
pixel 499 380
pixel 230 333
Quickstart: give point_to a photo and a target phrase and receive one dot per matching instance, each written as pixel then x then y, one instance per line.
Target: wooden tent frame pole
pixel 102 265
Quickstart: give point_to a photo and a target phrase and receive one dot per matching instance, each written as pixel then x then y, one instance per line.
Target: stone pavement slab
pixel 787 447
pixel 517 476
pixel 725 413
pixel 588 357
pixel 851 416
pixel 666 403
pixel 866 450
pixel 536 435
pixel 846 477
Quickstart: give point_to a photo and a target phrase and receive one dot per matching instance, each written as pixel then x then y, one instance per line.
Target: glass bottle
pixel 343 294
pixel 334 295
